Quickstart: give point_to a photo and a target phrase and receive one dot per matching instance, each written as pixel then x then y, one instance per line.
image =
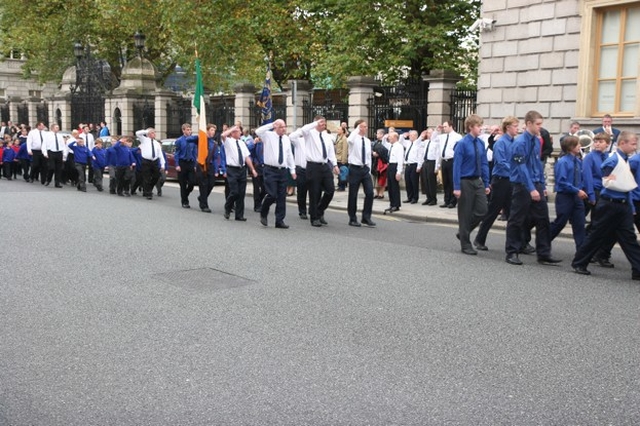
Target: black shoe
pixel 322 221
pixel 159 192
pixel 451 206
pixel 635 277
pixel 120 194
pixel 303 216
pixel 432 203
pixel 426 203
pixel 58 186
pixel 604 263
pixel 391 210
pixel 354 223
pixel 316 223
pixel 30 180
pixel 186 206
pixel 548 261
pixel 100 189
pixel 126 194
pixel 204 209
pixel 282 225
pixel 513 259
pixel 444 206
pixel 458 236
pixel 241 219
pixel 227 214
pixel 581 270
pixel 369 223
pixel 479 246
pixel 528 249
pixel 414 202
pixel 469 251
pixel 263 221
pixel 407 201
pixel 47 183
pixel 257 209
pixel 112 192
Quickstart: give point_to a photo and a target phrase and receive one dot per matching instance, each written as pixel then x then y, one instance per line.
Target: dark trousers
pixel 360 175
pixel 69 170
pixel 430 180
pixel 38 166
pixel 569 207
pixel 123 179
pixel 258 187
pixel 500 199
pixel 82 170
pixel 26 166
pixel 611 219
pixel 447 182
pixel 321 189
pixel 136 179
pixel 7 169
pixel 275 184
pixel 412 180
pixel 97 177
pixel 186 179
pixel 472 207
pixel 206 181
pixel 301 189
pixel 113 180
pixel 150 176
pixel 90 175
pixel 161 179
pixel 523 208
pixel 393 186
pixel 55 167
pixel 237 179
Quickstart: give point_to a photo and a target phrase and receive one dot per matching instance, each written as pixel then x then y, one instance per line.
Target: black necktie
pixel 41 140
pixel 324 148
pixel 153 150
pixel 363 153
pixel 406 157
pixel 280 153
pixel 426 151
pixel 445 146
pixel 57 146
pixel 240 159
pixel 478 161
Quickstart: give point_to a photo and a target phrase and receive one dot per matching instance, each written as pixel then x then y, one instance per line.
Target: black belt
pixel 274 167
pixel 447 159
pixel 356 166
pixel 614 200
pixel 152 161
pixel 236 167
pixel 500 177
pixel 470 177
pixel 313 162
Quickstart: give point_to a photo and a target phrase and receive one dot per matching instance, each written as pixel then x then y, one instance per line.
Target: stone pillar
pixel 245 96
pixel 62 102
pixel 13 110
pixel 163 97
pixel 33 104
pixel 295 110
pixel 441 85
pixel 360 91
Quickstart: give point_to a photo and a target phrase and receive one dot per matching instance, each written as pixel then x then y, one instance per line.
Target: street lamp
pixel 139 39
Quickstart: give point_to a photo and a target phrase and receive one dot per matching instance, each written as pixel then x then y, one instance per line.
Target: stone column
pixel 245 96
pixel 360 91
pixel 295 110
pixel 62 102
pixel 13 110
pixel 441 85
pixel 33 104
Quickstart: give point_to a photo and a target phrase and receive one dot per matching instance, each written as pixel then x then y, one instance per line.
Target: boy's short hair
pixel 532 116
pixel 602 136
pixel 508 121
pixel 569 143
pixel 98 141
pixel 472 120
pixel 128 139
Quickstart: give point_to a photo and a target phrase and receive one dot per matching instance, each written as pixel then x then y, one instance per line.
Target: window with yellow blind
pixel 617 61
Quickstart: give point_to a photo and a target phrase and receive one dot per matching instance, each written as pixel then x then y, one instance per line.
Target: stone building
pixel 568 59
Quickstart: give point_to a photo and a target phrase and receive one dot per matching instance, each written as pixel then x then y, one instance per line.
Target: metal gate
pixel 403 106
pixel 463 104
pixel 117 121
pixel 42 113
pixel 143 115
pixel 178 113
pixel 4 113
pixel 221 111
pixel 333 105
pixel 23 114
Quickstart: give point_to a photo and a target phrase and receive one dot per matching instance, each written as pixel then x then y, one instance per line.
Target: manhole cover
pixel 203 279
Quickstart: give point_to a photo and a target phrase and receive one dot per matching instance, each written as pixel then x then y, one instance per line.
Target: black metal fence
pixel 143 115
pixel 403 106
pixel 5 114
pixel 463 104
pixel 333 105
pixel 58 115
pixel 221 110
pixel 279 103
pixel 23 114
pixel 178 113
pixel 117 122
pixel 42 113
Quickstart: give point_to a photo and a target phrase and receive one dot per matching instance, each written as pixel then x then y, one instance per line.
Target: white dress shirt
pixel 231 151
pixel 50 139
pixel 299 145
pixel 271 142
pixel 446 142
pixel 355 141
pixel 413 151
pixel 431 149
pixel 396 155
pixel 35 140
pixel 145 148
pixel 313 144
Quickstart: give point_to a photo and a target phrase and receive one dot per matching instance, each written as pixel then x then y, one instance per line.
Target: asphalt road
pixel 121 311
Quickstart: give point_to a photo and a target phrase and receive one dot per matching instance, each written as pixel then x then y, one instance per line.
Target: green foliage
pixel 322 40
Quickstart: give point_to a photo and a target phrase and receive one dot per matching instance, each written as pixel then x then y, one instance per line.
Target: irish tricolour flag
pixel 198 103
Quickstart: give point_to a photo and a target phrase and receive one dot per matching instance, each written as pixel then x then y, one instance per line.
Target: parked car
pixel 168 146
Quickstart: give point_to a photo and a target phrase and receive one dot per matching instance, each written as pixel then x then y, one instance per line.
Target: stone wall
pixel 530 61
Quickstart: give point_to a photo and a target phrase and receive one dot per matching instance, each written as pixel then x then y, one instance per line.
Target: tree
pixel 322 40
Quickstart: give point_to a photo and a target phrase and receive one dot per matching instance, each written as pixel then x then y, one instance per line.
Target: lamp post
pixel 139 39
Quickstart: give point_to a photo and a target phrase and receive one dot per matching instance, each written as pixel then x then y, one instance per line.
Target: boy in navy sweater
pixel 81 157
pixel 8 157
pixel 124 164
pixel 98 162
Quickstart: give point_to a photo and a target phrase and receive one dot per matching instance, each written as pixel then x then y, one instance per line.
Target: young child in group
pixel 136 179
pixel 98 163
pixel 8 157
pixel 2 145
pixel 124 165
pixel 591 171
pixel 569 193
pixel 24 159
pixel 81 157
pixel 15 167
